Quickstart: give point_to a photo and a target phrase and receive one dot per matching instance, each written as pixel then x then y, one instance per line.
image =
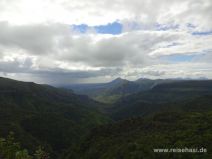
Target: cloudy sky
pixel 74 41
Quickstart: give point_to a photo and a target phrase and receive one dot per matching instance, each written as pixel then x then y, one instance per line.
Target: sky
pixel 92 41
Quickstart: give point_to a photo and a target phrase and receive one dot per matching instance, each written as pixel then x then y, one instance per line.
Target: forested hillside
pixel 136 138
pixel 44 115
pixel 168 115
pixel 119 88
pixel 174 96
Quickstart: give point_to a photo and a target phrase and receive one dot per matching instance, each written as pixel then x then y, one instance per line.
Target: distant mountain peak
pixel 140 79
pixel 118 80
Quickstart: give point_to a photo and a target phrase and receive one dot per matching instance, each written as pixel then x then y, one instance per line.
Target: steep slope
pixel 165 96
pixel 139 138
pixel 112 91
pixel 147 84
pixel 106 92
pixel 44 115
pixel 173 115
pixel 117 89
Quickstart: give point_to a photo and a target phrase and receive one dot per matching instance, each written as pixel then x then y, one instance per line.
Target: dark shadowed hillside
pixel 166 114
pixel 162 97
pixel 44 115
pixel 136 138
pixel 106 92
pixel 112 91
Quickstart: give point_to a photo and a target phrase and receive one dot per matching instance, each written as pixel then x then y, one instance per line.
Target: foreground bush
pixel 9 149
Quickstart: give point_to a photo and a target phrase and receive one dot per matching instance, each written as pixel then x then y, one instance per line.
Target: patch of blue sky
pixel 110 28
pixel 204 33
pixel 116 28
pixel 82 28
pixel 179 58
pixel 199 33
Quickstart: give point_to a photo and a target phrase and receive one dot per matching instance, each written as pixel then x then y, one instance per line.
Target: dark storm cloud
pixel 26 67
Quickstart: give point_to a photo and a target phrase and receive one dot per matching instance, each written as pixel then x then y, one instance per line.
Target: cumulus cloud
pixel 37 39
pixel 102 12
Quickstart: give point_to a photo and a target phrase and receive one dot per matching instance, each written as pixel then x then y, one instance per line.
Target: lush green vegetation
pixel 175 96
pixel 136 138
pixel 173 115
pixel 111 92
pixel 163 114
pixel 44 115
pixel 10 149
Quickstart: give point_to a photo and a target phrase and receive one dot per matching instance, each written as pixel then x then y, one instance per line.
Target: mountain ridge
pixel 112 91
pixel 38 114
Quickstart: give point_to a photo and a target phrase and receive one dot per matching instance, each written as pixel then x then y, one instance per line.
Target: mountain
pixel 172 115
pixel 105 92
pixel 120 86
pixel 112 91
pixel 138 138
pixel 45 115
pixel 159 114
pixel 147 84
pixel 165 96
pixel 116 82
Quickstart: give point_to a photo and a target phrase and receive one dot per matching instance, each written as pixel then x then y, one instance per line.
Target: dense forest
pixel 136 138
pixel 44 115
pixel 41 121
